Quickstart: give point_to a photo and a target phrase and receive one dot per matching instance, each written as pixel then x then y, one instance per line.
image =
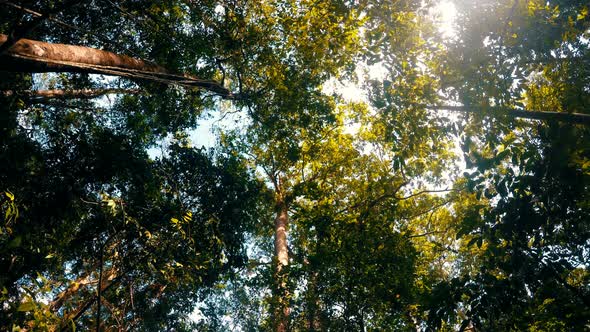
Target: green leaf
pixel 500 156
pixel 26 306
pixel 16 242
pixel 460 233
pixel 473 240
pixel 501 187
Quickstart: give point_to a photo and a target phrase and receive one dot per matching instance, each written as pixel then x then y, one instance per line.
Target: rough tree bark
pixel 35 56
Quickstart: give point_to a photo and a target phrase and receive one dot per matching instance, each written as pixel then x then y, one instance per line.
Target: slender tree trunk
pixel 578 118
pixel 314 313
pixel 42 95
pixel 282 261
pixel 313 302
pixel 281 227
pixel 34 56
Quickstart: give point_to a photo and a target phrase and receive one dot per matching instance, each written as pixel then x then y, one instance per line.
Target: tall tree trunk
pixel 34 56
pixel 282 261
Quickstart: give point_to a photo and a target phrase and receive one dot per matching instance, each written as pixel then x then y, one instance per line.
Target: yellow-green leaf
pixel 26 306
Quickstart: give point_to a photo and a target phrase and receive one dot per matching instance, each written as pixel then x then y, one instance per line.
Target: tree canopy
pixel 373 165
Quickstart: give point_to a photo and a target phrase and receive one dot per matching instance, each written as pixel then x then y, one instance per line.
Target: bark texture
pixel 35 56
pixel 281 225
pixel 282 261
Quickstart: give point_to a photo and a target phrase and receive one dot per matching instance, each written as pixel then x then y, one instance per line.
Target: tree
pixel 529 180
pixel 92 206
pixel 293 109
pixel 312 212
pixel 99 223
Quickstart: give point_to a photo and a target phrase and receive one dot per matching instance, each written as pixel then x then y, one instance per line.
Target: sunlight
pixel 444 14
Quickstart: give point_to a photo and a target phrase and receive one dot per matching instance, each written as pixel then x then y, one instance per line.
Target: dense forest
pixel 369 165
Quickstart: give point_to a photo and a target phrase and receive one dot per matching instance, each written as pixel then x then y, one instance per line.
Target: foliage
pixel 530 221
pixel 399 217
pixel 91 203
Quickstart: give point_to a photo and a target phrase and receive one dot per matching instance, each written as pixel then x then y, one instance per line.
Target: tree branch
pixel 429 233
pixel 577 118
pixel 42 95
pixel 35 56
pixel 433 208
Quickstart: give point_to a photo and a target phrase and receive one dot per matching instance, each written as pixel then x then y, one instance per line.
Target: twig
pixel 429 233
pixel 435 207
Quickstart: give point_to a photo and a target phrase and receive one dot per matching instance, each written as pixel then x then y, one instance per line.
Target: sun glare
pixel 445 13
